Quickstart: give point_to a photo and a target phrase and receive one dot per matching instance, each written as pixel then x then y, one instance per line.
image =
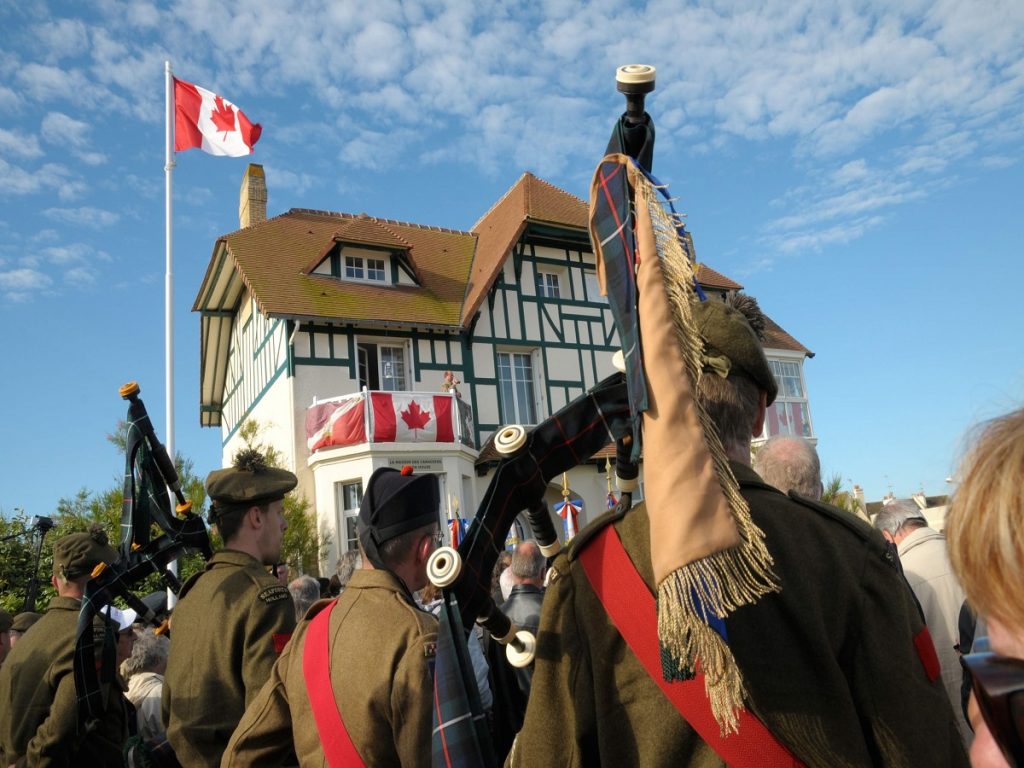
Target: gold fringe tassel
pixel 719 583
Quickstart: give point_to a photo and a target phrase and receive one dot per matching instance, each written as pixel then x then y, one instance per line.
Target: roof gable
pixel 528 200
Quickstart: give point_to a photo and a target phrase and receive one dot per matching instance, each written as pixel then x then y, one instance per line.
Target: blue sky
pixel 857 169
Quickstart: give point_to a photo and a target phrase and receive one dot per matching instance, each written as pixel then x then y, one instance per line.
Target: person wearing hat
pixel 835 661
pixel 21 623
pixel 366 656
pixel 39 713
pixel 232 618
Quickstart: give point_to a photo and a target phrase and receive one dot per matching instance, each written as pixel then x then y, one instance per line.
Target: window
pixel 375 269
pixel 354 267
pixel 516 388
pixel 382 367
pixel 349 495
pixel 593 288
pixel 789 414
pixel 547 285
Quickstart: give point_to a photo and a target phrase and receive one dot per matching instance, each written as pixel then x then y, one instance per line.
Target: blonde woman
pixel 985 529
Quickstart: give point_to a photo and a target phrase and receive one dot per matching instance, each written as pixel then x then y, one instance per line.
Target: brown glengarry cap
pixel 396 503
pixel 6 620
pixel 249 482
pixel 727 333
pixel 25 620
pixel 77 554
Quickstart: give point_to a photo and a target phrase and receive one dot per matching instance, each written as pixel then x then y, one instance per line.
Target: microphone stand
pixel 42 524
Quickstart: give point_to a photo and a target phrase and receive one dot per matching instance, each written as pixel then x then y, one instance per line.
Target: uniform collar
pixel 232 557
pixel 745 475
pixel 365 578
pixel 59 603
pixel 525 589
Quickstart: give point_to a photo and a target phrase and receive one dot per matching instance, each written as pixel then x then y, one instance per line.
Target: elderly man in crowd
pixel 305 590
pixel 926 564
pixel 790 464
pixel 144 671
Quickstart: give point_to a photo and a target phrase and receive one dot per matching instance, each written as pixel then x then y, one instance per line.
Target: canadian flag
pixel 209 122
pixel 336 422
pixel 412 418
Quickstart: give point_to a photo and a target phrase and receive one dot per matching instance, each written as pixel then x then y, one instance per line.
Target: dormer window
pixel 359 268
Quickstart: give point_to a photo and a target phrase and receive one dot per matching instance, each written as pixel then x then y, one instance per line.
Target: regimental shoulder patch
pixel 429 650
pixel 274 594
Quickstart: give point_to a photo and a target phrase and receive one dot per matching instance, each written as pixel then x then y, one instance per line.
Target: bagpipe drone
pixel 149 473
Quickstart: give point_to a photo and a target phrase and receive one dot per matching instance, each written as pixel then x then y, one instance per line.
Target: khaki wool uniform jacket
pixel 829 663
pixel 38 705
pixel 381 661
pixel 222 651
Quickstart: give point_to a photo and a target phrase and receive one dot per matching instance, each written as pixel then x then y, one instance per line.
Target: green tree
pixel 303 545
pixel 76 513
pixel 834 494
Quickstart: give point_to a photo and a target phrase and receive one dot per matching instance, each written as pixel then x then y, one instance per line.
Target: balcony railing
pixel 392 417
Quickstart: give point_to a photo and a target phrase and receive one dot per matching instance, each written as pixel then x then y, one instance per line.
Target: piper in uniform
pixel 38 706
pixel 364 658
pixel 232 618
pixel 837 663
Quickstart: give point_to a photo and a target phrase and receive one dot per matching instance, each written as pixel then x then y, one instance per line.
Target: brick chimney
pixel 252 198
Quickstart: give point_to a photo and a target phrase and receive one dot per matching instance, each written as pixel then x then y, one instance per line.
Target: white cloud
pixel 21 145
pixel 15 180
pixel 58 128
pixel 80 277
pixel 63 38
pixel 85 216
pixel 20 281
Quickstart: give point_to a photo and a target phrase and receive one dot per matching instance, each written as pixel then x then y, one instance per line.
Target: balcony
pixel 370 417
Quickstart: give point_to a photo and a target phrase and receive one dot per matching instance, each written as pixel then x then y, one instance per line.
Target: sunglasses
pixel 998 683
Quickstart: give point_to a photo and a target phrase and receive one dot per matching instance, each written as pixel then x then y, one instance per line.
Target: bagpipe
pixel 608 412
pixel 149 473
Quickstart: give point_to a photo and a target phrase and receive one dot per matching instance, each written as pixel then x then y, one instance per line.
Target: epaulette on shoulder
pixel 848 519
pixel 581 539
pixel 316 607
pixel 189 583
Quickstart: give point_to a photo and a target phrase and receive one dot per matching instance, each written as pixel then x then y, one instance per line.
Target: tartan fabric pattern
pixel 461 738
pixel 612 222
pixel 566 439
pixel 146 501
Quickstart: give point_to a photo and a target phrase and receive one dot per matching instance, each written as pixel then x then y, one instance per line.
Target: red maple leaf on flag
pixel 415 417
pixel 223 116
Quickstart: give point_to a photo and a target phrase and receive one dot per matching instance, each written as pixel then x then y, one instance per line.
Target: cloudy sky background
pixel 857 169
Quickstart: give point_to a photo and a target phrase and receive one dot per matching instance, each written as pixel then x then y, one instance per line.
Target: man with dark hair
pixel 925 560
pixel 39 722
pixel 836 664
pixel 233 618
pixel 355 683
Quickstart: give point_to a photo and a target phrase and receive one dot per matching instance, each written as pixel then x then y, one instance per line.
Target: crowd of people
pixel 861 655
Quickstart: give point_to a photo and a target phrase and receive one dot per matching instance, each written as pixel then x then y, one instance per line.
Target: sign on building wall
pixel 418 465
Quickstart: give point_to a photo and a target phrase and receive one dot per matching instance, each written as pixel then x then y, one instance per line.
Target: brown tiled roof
pixel 709 277
pixel 271 256
pixel 363 229
pixel 529 200
pixel 776 338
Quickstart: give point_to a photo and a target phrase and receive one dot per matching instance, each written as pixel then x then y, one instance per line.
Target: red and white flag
pixel 203 120
pixel 336 422
pixel 405 417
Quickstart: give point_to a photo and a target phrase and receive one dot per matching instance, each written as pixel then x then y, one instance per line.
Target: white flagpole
pixel 169 283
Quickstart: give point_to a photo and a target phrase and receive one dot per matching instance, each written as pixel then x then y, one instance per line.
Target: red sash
pixel 316 668
pixel 630 606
